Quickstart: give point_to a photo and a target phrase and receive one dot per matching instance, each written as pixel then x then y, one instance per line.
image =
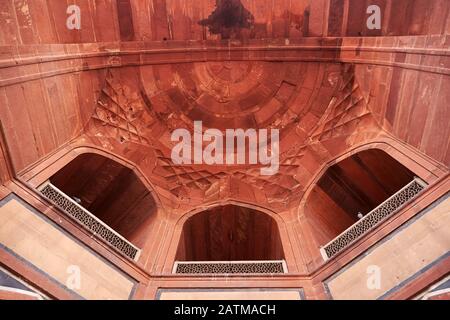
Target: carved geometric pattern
pixel 89 221
pixel 347 108
pixel 122 112
pixel 373 218
pixel 250 267
pixel 189 177
pixel 127 113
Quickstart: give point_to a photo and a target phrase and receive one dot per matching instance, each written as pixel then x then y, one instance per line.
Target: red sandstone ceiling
pixel 139 108
pixel 324 95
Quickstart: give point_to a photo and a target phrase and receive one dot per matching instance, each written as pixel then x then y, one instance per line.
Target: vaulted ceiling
pixel 139 108
pixel 137 70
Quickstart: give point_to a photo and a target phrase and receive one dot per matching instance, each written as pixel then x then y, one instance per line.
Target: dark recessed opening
pixel 355 186
pixel 230 233
pixel 110 191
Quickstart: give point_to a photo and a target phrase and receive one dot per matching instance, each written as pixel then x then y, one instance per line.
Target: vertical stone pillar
pixel 318 18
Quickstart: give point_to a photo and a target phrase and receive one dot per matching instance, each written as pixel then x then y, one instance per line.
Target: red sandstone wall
pixel 412 105
pixel 399 17
pixel 40 116
pixel 41 22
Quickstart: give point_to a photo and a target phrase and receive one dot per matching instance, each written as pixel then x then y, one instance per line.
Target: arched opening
pixel 108 190
pixel 230 233
pixel 353 190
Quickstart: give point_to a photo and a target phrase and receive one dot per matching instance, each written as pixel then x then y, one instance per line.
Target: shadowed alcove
pixel 354 186
pixel 230 233
pixel 111 192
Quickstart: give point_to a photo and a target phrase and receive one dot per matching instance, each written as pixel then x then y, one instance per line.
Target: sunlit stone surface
pixel 361 112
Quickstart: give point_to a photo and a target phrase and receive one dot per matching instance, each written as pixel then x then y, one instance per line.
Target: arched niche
pixel 353 186
pixel 110 191
pixel 230 233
